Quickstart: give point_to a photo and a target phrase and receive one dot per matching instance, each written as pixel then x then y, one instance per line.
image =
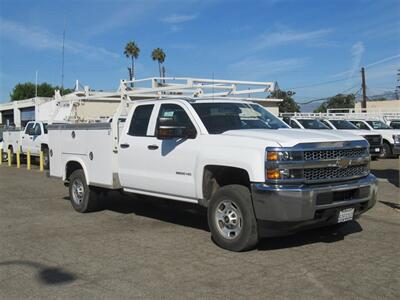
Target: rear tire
pixel 231 218
pixel 83 198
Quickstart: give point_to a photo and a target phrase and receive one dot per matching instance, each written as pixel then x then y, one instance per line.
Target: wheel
pixel 231 218
pixel 13 156
pixel 386 151
pixel 4 156
pixel 46 159
pixel 83 198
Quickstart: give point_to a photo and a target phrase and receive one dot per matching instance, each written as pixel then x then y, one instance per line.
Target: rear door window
pixel 140 120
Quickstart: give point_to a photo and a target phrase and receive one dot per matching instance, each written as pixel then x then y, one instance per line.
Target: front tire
pixel 386 150
pixel 231 218
pixel 46 159
pixel 83 198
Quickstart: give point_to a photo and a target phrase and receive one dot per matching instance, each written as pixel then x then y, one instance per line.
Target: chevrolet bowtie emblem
pixel 342 163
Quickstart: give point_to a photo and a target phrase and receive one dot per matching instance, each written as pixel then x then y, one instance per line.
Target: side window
pixel 177 113
pixel 326 123
pixel 140 120
pixel 37 130
pixel 29 128
pixel 360 125
pixel 293 124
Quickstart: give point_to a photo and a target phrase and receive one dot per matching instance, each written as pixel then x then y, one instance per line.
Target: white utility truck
pixel 256 176
pixel 32 138
pixel 391 136
pixel 374 140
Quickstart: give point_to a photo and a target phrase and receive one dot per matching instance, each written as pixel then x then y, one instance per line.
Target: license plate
pixel 377 149
pixel 346 215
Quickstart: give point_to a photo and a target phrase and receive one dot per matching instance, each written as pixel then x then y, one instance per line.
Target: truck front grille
pixel 335 153
pixel 334 173
pixel 374 140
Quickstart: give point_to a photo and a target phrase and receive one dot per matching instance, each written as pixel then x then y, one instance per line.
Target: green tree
pixel 27 90
pixel 338 101
pixel 132 51
pixel 158 55
pixel 288 104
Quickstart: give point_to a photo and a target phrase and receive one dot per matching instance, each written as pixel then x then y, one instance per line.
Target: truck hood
pixel 360 132
pixel 387 131
pixel 287 137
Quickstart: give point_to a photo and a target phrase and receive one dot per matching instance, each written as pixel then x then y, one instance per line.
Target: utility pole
pixel 398 85
pixel 364 91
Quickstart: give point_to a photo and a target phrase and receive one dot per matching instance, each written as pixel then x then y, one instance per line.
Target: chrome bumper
pixel 307 205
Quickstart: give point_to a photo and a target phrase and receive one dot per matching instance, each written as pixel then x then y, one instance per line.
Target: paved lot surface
pixel 148 248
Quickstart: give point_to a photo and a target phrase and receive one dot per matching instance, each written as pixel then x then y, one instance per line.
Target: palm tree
pixel 132 51
pixel 159 55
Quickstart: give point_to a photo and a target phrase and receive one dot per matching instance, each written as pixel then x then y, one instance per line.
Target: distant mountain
pixel 385 95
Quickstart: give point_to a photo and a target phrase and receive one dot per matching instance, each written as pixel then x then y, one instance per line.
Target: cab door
pixel 158 166
pixel 27 137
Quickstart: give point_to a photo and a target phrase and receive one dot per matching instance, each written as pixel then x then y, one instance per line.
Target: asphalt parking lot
pixel 151 248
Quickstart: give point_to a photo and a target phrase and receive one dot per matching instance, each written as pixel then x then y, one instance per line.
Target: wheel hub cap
pixel 228 218
pixel 78 191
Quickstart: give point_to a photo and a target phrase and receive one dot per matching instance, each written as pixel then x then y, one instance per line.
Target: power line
pixel 321 83
pixel 326 98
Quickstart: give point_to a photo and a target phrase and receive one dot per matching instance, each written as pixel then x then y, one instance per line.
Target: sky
pixel 315 48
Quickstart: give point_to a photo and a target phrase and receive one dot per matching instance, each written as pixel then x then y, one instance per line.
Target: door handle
pixel 152 147
pixel 124 146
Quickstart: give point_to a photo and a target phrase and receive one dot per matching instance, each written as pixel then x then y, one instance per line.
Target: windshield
pixel 221 117
pixel 343 124
pixel 378 125
pixel 312 124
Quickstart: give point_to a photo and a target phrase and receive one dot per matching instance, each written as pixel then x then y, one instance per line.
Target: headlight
pixel 282 155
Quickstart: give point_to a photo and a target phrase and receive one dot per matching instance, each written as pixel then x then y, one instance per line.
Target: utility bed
pixel 90 145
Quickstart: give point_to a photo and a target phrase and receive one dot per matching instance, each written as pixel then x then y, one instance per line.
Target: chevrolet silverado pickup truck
pixel 256 177
pixel 32 138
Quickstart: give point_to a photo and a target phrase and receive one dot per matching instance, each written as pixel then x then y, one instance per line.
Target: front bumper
pixel 286 209
pixel 396 149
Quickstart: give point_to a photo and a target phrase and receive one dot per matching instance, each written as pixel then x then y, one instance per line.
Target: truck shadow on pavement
pixel 194 216
pixel 180 213
pixel 330 234
pixel 45 275
pixel 391 175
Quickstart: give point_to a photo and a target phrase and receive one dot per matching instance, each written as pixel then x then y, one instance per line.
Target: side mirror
pixel 168 128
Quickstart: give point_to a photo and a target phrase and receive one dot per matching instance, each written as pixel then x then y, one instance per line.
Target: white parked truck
pixel 32 138
pixel 374 140
pixel 255 176
pixel 391 136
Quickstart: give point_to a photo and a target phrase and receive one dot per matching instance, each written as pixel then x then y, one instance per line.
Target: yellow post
pixel 41 162
pixel 18 159
pixel 9 158
pixel 28 160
